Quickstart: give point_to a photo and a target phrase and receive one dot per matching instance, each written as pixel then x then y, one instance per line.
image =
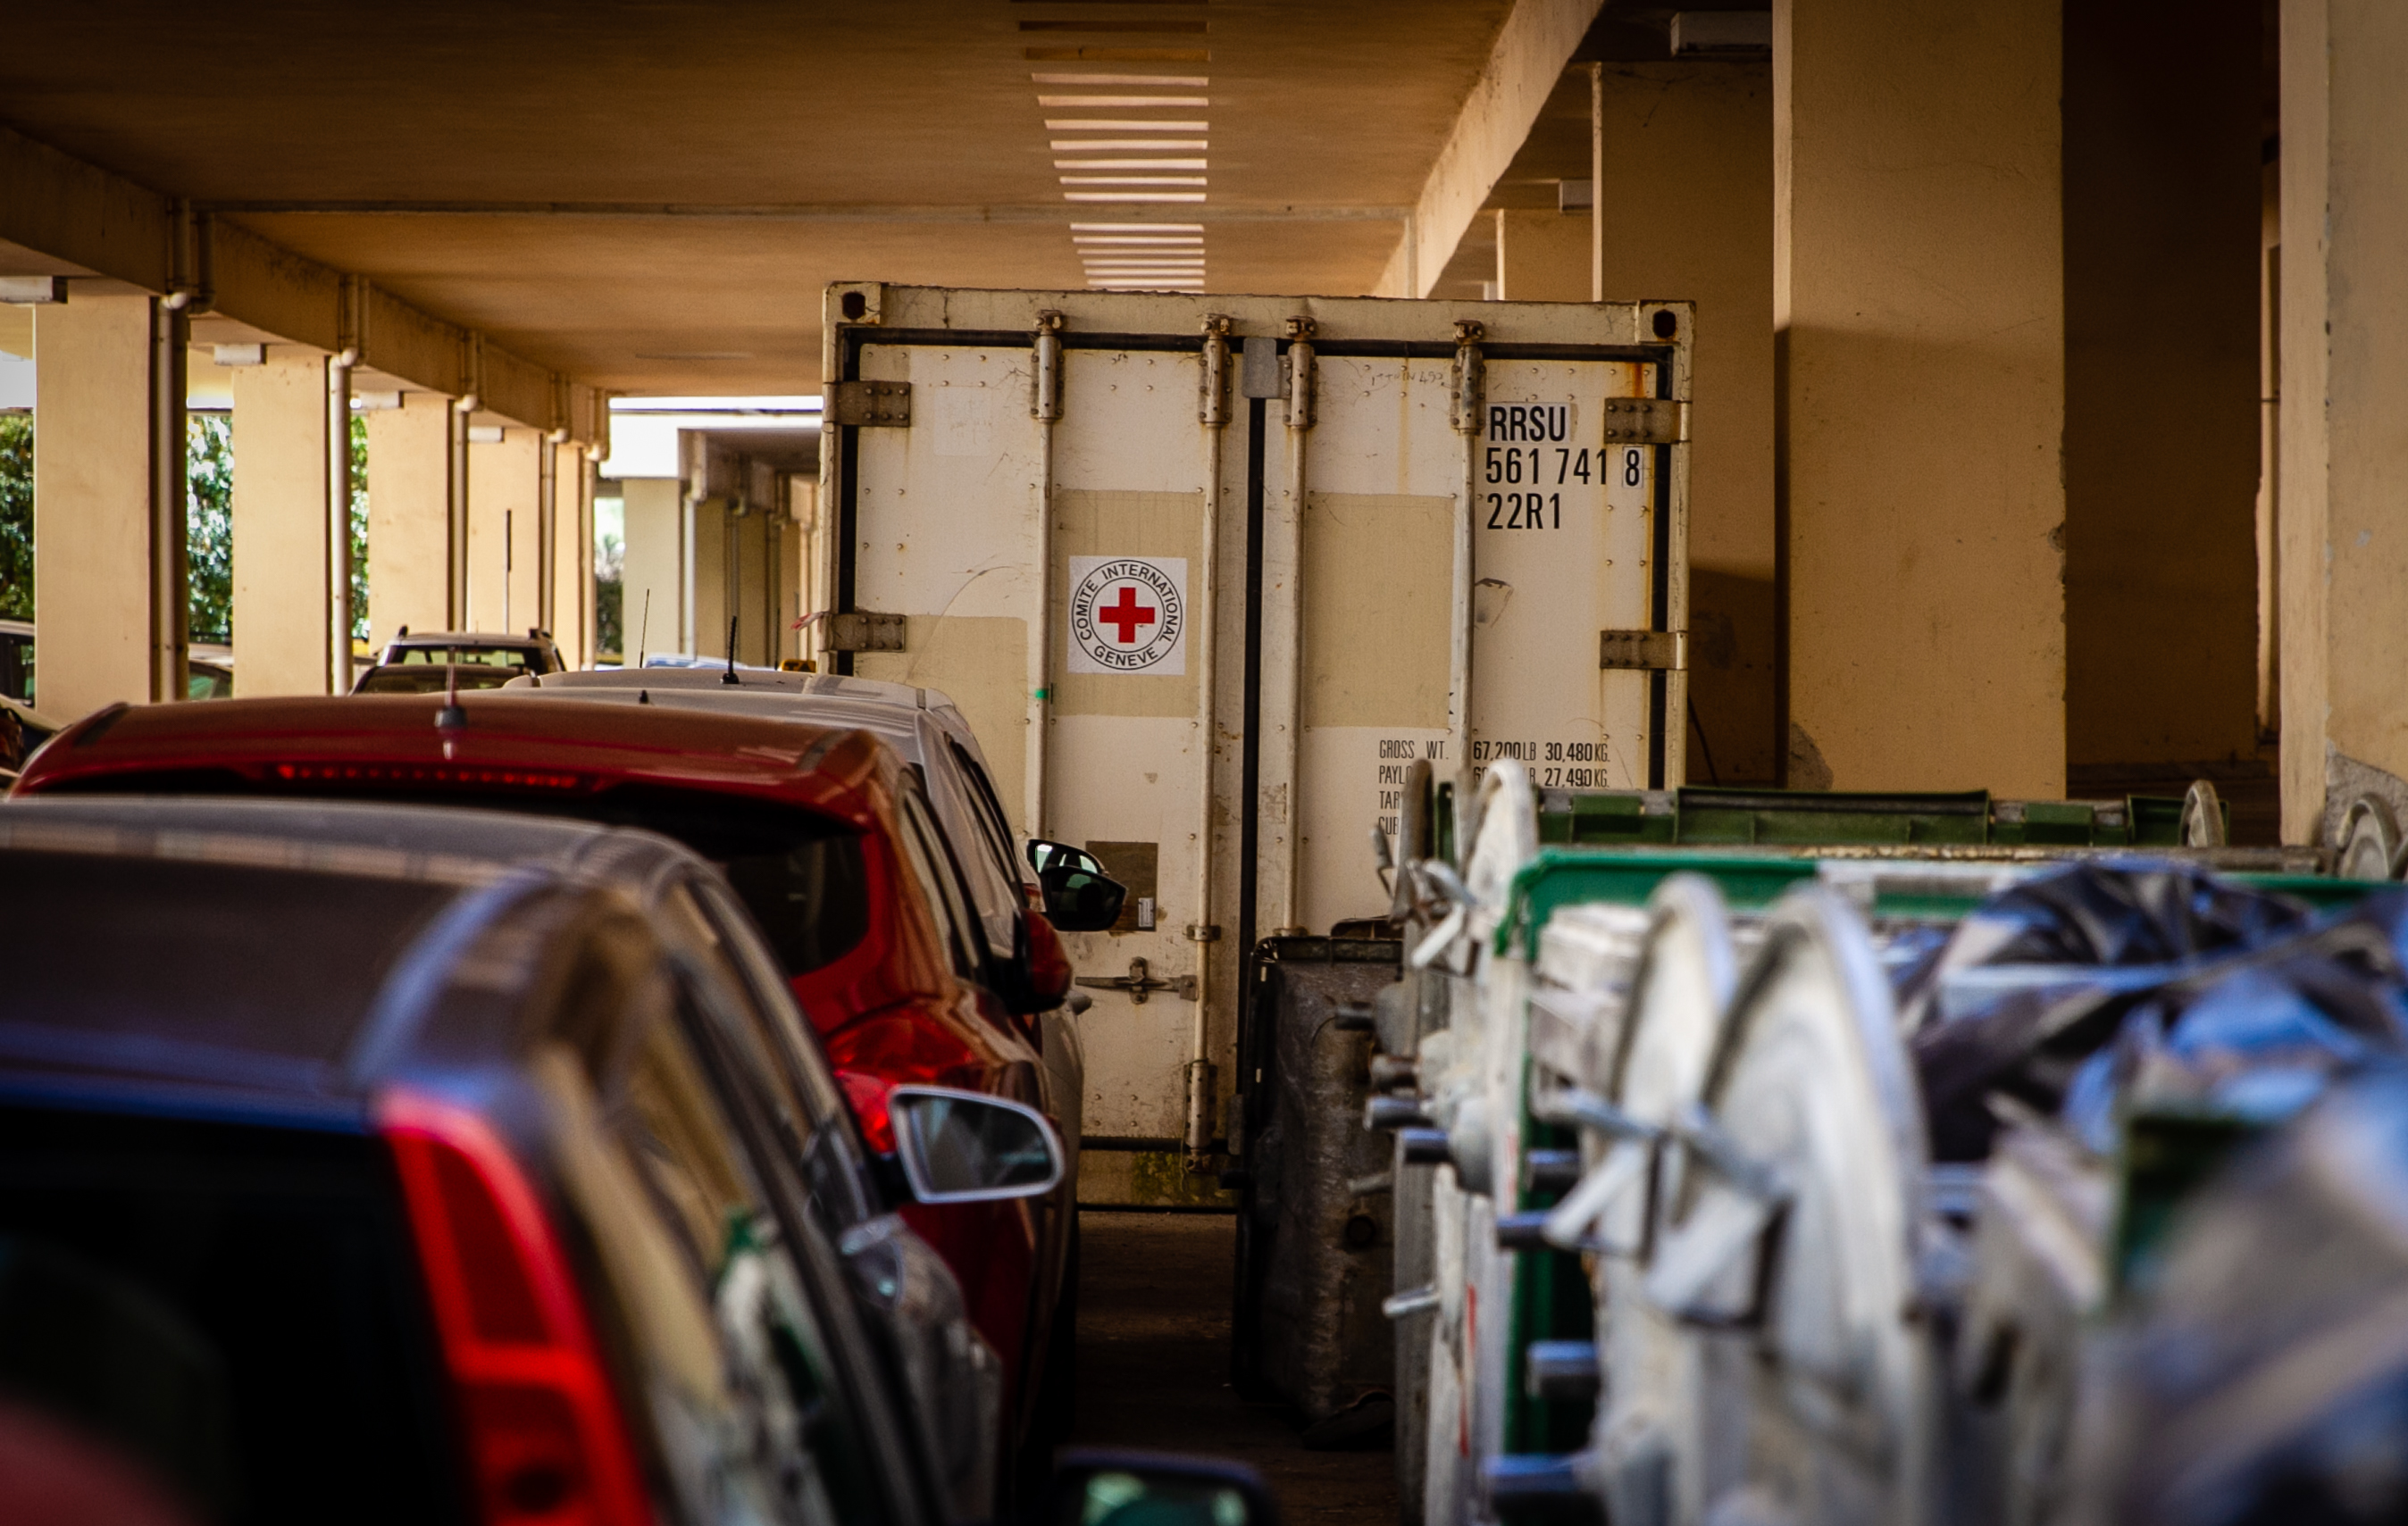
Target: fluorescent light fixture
pixel 1193 82
pixel 375 402
pixel 1132 163
pixel 1133 179
pixel 1076 101
pixel 32 289
pixel 1118 124
pixel 238 354
pixel 1150 196
pixel 1136 227
pixel 1072 145
pixel 484 433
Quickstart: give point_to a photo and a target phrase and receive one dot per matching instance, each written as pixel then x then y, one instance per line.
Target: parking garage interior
pixel 2041 427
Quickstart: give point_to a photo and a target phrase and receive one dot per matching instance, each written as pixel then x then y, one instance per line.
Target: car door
pixel 912 1299
pixel 723 1292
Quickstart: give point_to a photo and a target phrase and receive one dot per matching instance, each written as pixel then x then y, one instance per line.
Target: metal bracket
pixel 1645 650
pixel 1646 421
pixel 870 405
pixel 1139 982
pixel 1203 932
pixel 861 629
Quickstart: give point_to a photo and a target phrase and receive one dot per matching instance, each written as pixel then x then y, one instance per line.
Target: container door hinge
pixel 1646 421
pixel 1647 650
pixel 870 405
pixel 861 629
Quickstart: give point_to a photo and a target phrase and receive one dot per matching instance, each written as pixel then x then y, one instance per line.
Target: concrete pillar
pixel 652 614
pixel 572 554
pixel 708 578
pixel 504 520
pixel 1687 196
pixel 752 582
pixel 410 516
pixel 2163 212
pixel 2343 522
pixel 1543 256
pixel 282 548
pixel 1918 312
pixel 109 502
pixel 802 565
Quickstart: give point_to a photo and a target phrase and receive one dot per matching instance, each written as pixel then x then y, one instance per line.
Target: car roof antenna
pixel 729 676
pixel 451 717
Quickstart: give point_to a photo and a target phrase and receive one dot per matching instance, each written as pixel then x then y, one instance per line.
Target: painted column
pixel 1688 211
pixel 2342 521
pixel 504 521
pixel 572 553
pixel 1919 323
pixel 653 613
pixel 282 558
pixel 108 513
pixel 410 516
pixel 1541 255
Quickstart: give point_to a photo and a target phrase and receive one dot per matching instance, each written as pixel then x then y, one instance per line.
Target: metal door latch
pixel 1139 982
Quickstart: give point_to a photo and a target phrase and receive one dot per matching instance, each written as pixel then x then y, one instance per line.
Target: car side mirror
pixel 1098 1488
pixel 1079 896
pixel 967 1147
pixel 1077 901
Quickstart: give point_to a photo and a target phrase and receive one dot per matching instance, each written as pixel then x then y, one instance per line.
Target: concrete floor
pixel 1154 1367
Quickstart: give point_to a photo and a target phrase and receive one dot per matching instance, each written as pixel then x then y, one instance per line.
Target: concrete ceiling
pixel 648 195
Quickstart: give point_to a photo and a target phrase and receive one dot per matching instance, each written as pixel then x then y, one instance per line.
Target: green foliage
pixel 208 524
pixel 610 597
pixel 359 527
pixel 17 516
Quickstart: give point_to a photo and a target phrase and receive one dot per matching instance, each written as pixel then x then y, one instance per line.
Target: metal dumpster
pixel 1315 1231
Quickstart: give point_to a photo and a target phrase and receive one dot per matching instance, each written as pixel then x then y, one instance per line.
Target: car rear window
pixel 272 960
pixel 434 679
pixel 233 1309
pixel 801 875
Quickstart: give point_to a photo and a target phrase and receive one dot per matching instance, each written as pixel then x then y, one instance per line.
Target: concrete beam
pixel 109 227
pixel 1532 49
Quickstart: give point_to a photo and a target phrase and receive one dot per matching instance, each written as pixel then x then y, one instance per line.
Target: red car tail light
pixel 872 1056
pixel 546 1440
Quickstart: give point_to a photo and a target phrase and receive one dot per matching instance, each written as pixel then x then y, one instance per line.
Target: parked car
pixel 533 652
pixel 434 678
pixel 17 661
pixel 1023 959
pixel 824 835
pixel 426 1159
pixel 208 671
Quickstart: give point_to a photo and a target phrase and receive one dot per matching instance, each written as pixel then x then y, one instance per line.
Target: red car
pixel 821 833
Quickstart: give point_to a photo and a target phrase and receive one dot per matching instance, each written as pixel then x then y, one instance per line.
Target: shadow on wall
pixel 1730 679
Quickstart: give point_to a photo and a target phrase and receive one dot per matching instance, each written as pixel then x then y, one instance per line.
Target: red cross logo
pixel 1126 616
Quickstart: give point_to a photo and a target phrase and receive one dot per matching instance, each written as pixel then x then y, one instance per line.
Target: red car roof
pixel 825 770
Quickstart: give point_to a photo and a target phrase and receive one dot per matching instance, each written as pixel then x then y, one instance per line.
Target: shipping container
pixel 1208 573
